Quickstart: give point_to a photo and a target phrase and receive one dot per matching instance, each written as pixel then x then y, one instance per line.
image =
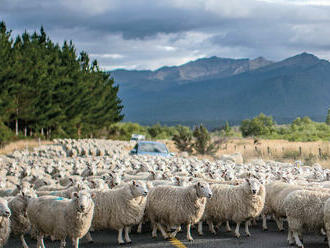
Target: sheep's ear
pixel 177 178
pixel 152 172
pixel 248 180
pixel 198 184
pixel 110 174
pixel 75 195
pixel 22 193
pixel 18 186
pixel 93 195
pixel 134 182
pixel 31 186
pixel 93 183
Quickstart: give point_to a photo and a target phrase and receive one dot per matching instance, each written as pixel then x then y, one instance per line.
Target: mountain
pixel 201 69
pixel 214 89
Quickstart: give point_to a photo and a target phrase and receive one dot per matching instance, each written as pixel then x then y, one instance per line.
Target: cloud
pixel 147 34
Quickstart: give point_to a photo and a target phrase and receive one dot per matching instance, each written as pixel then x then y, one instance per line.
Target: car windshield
pixel 152 147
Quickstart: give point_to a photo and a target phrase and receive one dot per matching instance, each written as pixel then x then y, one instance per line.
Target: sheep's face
pixel 4 209
pixel 83 201
pixel 254 186
pixel 203 190
pixel 138 189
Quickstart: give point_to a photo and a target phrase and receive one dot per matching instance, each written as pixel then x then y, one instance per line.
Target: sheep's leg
pixel 247 228
pixel 76 242
pixel 254 222
pixel 200 228
pixel 228 228
pixel 296 237
pixel 211 226
pixel 279 223
pixel 120 236
pixel 237 234
pixel 173 234
pixel 154 231
pixel 40 243
pixel 139 230
pixel 161 229
pixel 264 222
pixel 127 231
pixel 290 238
pixel 63 243
pixel 323 232
pixel 89 237
pixel 23 241
pixel 188 233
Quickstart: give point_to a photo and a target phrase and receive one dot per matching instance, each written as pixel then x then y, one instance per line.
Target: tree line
pixel 48 89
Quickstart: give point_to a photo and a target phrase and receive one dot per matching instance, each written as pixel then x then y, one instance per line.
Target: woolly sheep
pixel 119 208
pixel 326 219
pixel 68 217
pixel 305 211
pixel 4 222
pixel 174 206
pixel 234 203
pixel 20 224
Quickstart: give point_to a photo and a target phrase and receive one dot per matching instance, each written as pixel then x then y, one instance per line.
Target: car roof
pixel 149 142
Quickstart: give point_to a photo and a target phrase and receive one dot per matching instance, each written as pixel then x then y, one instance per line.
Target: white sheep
pixel 234 203
pixel 61 217
pixel 174 206
pixel 119 208
pixel 305 211
pixel 4 222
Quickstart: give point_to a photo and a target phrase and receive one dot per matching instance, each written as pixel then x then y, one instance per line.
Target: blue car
pixel 150 148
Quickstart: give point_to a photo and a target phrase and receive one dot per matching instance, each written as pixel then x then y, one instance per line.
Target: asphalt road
pixel 270 239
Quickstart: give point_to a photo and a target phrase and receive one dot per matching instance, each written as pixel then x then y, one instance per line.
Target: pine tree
pixel 327 121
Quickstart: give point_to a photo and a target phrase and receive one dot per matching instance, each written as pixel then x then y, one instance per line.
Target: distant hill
pixel 215 89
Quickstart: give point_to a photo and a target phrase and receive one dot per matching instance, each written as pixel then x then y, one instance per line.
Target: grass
pixel 279 150
pixel 23 144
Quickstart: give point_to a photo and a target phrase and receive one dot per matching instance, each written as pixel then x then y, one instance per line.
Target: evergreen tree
pixel 327 121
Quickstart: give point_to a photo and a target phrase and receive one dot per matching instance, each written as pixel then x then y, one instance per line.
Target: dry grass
pixel 22 144
pixel 279 150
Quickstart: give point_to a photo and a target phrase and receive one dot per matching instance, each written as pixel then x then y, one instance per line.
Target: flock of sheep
pixel 74 187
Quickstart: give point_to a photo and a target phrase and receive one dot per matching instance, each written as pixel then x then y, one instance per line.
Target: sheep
pixel 4 222
pixel 65 193
pixel 69 217
pixel 119 208
pixel 234 203
pixel 304 210
pixel 326 219
pixel 174 206
pixel 20 224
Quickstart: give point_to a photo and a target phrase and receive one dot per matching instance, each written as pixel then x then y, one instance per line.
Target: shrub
pixel 260 125
pixel 203 143
pixel 183 139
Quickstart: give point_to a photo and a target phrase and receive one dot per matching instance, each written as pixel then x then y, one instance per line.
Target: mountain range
pixel 213 90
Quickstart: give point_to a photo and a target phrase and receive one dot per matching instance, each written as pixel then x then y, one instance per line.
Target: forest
pixel 49 90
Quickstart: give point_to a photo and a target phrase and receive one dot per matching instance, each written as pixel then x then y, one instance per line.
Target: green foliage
pixel 327 121
pixel 301 129
pixel 5 133
pixel 183 139
pixel 203 143
pixel 260 125
pixel 45 87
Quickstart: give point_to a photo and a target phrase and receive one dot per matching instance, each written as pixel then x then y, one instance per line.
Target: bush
pixel 260 125
pixel 183 139
pixel 203 143
pixel 5 133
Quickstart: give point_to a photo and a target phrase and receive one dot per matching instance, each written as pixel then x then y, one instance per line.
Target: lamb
pixel 4 222
pixel 304 210
pixel 119 208
pixel 174 206
pixel 234 203
pixel 20 224
pixel 71 218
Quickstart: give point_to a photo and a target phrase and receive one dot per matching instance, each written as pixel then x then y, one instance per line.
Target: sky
pixel 148 34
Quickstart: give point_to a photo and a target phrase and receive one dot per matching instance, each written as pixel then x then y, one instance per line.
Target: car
pixel 137 137
pixel 151 148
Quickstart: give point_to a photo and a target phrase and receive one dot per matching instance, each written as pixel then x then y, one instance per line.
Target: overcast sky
pixel 147 34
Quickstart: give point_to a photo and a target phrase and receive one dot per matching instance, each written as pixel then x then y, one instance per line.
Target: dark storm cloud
pixel 149 34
